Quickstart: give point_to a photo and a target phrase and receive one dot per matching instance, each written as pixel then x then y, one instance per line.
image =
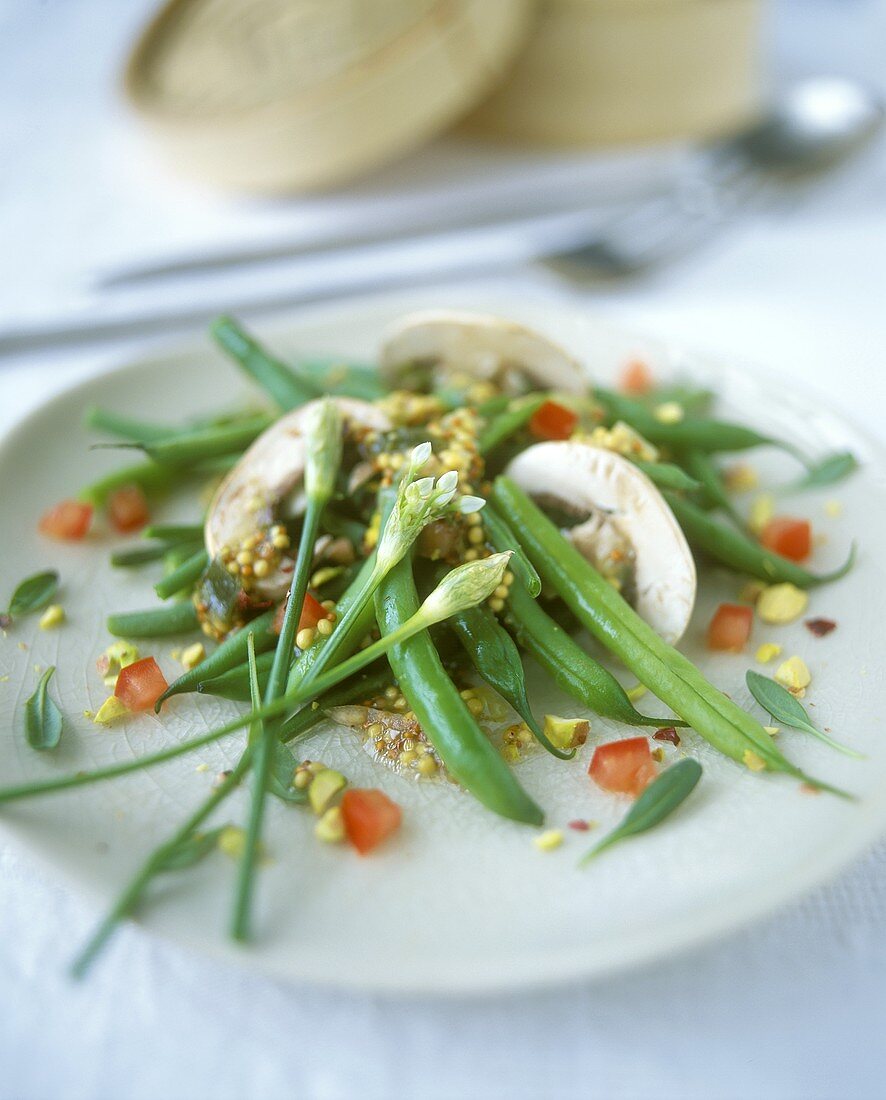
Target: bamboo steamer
pixel 294 95
pixel 601 72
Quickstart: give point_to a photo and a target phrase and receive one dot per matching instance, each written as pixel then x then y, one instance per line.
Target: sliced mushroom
pixel 624 526
pixel 483 346
pixel 270 471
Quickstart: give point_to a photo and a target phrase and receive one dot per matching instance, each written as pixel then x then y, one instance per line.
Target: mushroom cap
pixel 480 344
pixel 268 472
pixel 616 494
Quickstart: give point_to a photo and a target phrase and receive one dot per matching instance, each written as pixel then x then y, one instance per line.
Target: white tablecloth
pixel 792 1007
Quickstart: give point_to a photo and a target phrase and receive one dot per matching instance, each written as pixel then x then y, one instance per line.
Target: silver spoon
pixel 812 126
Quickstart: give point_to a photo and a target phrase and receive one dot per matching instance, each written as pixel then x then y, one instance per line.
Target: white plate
pixel 460 901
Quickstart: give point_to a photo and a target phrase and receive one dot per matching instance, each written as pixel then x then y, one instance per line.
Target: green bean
pixel 234 684
pixel 332 376
pixel 184 576
pixel 139 555
pixel 510 420
pixel 174 532
pixel 343 526
pixel 573 670
pixel 197 446
pixel 738 551
pixel 496 658
pixel 666 475
pixel 230 654
pixel 283 384
pixel 179 618
pixel 492 406
pixel 695 433
pixel 443 714
pixel 140 431
pixel 695 401
pixel 662 669
pixel 702 467
pixel 503 538
pixel 147 475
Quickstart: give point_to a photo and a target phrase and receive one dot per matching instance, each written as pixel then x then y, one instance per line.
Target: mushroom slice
pixel 272 469
pixel 483 346
pixel 625 527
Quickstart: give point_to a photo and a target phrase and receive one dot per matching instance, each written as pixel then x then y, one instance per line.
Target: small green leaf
pixel 191 850
pixel 827 472
pixel 281 774
pixel 43 719
pixel 657 802
pixel 33 593
pixel 789 711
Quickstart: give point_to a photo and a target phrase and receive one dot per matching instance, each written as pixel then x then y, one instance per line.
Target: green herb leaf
pixel 43 719
pixel 827 472
pixel 33 593
pixel 191 850
pixel 788 710
pixel 281 774
pixel 657 802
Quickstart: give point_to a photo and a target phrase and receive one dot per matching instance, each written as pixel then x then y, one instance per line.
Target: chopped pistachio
pixel 742 478
pixel 53 616
pixel 110 710
pixel 752 761
pixel 116 657
pixel 767 652
pixel 331 827
pixel 566 733
pixel 232 841
pixel 773 731
pixel 323 788
pixel 782 603
pixel 762 511
pixel 671 412
pixel 193 655
pixel 793 674
pixel 549 840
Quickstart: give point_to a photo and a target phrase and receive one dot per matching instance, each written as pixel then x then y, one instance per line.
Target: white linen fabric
pixel 791 1007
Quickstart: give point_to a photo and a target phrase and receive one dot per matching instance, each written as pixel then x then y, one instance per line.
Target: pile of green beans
pixel 742 553
pixel 611 620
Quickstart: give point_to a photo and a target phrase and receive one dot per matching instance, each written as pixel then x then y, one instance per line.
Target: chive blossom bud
pixel 323 447
pixel 465 586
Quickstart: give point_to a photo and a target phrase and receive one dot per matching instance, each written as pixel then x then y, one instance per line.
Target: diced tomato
pixel 140 684
pixel 636 379
pixel 730 628
pixel 369 818
pixel 70 519
pixel 128 508
pixel 553 421
pixel 312 611
pixel 792 538
pixel 623 767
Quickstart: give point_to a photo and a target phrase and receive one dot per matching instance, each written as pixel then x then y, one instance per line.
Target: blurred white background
pixel 790 1008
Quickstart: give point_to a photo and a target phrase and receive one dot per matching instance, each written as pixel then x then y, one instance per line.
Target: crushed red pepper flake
pixel 820 627
pixel 579 825
pixel 668 733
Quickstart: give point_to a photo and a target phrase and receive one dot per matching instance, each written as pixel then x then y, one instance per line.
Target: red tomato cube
pixel 636 379
pixel 128 508
pixel 369 818
pixel 730 628
pixel 140 684
pixel 792 538
pixel 69 520
pixel 553 421
pixel 623 767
